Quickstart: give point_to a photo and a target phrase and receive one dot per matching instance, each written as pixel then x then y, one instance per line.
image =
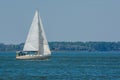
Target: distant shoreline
pixel 69 46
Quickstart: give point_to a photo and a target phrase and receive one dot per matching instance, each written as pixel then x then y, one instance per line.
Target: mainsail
pixel 36 39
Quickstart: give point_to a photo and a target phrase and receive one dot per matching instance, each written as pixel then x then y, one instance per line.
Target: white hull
pixel 40 57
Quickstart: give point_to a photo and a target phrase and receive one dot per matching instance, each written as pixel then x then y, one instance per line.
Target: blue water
pixel 62 66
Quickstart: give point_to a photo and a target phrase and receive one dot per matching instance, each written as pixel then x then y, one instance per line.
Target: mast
pixel 38 33
pixel 40 36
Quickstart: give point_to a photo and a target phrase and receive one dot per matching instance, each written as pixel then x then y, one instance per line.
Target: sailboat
pixel 36 45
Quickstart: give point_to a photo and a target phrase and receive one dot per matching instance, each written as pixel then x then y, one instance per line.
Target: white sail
pixel 43 40
pixel 36 39
pixel 31 43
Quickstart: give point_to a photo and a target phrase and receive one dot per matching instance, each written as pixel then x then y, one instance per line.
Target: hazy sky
pixel 63 20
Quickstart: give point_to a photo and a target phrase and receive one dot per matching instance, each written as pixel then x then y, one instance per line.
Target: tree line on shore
pixel 69 46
